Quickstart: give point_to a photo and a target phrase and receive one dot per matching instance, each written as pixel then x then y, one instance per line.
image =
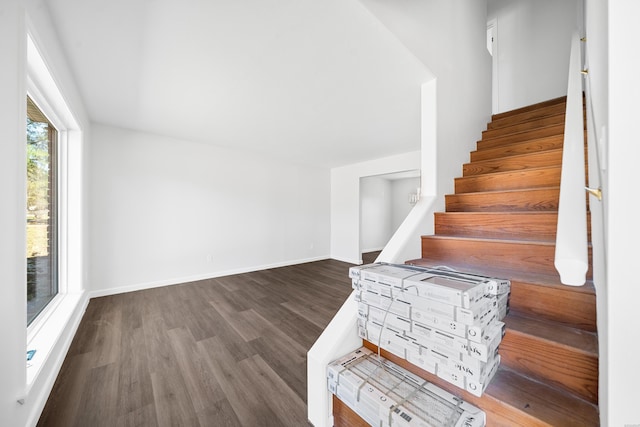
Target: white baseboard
pixel 194 278
pixel 348 260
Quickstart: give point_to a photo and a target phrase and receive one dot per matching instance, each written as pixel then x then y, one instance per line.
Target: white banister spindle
pixel 571 258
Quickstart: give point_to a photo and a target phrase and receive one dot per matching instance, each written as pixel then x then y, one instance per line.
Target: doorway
pixel 385 201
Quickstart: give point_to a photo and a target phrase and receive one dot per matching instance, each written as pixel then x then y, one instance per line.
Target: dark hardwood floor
pixel 229 351
pixel 370 257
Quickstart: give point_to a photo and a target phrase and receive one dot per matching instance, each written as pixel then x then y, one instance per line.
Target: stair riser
pixel 551 362
pixel 523 226
pixel 563 304
pixel 532 256
pixel 537 200
pixel 530 108
pixel 549 131
pixel 531 115
pixel 495 143
pixel 527 147
pixel 511 180
pixel 524 126
pixel 514 163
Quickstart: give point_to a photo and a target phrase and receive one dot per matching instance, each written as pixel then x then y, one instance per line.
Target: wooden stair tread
pixel 535 278
pixel 583 341
pixel 525 125
pixel 527 115
pixel 521 225
pixel 471 253
pixel 536 106
pixel 553 129
pixel 511 213
pixel 524 200
pixel 512 399
pixel 531 177
pixel 516 190
pixel 517 148
pixel 543 132
pixel 537 256
pixel 487 145
pixel 563 356
pixel 514 162
pixel 542 402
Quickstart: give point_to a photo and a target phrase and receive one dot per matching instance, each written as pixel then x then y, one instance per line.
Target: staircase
pixel 501 221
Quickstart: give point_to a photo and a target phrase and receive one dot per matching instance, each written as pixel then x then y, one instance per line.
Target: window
pixel 42 211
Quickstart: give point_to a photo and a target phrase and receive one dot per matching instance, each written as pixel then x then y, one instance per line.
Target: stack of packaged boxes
pixel 386 395
pixel 446 322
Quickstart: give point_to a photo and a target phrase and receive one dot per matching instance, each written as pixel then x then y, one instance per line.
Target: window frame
pixel 54 207
pixel 46 331
pixel 40 101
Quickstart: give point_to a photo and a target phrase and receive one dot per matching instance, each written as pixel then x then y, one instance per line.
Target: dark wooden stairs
pixel 501 221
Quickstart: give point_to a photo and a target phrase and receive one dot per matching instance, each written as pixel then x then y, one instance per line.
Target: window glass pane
pixel 42 224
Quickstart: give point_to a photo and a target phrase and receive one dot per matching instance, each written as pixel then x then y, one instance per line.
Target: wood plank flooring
pixel 229 351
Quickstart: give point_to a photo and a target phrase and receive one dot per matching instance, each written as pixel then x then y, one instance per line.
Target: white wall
pixel 15 17
pixel 596 50
pixel 166 211
pixel 400 206
pixel 345 201
pixel 13 304
pixel 375 213
pixel 623 293
pixel 533 43
pixel 449 38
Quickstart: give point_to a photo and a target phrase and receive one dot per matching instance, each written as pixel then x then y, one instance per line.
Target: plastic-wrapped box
pixel 384 394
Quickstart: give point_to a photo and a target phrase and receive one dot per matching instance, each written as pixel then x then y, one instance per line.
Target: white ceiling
pixel 311 81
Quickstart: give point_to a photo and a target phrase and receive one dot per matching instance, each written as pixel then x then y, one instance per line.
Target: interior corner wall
pixel 533 43
pixel 345 200
pixel 449 37
pixel 167 211
pixel 375 213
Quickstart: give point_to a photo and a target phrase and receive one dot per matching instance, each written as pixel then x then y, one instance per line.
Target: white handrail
pixel 571 258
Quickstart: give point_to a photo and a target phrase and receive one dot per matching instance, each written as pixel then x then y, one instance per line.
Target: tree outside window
pixel 42 242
